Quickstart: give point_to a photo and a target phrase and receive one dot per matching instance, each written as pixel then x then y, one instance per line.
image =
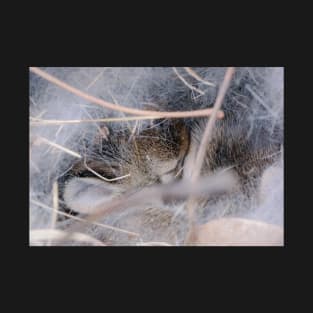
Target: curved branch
pixel 117 107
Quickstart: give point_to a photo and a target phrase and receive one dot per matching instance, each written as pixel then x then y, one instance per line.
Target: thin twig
pixel 133 131
pixel 95 79
pixel 32 100
pixel 54 213
pixel 55 145
pixel 258 98
pixel 39 122
pixel 98 127
pixel 186 83
pixel 40 114
pixel 192 73
pixel 208 130
pixel 84 220
pixel 32 164
pixel 179 171
pixel 101 177
pixel 207 135
pixel 58 131
pixel 117 107
pixel 124 118
pixel 55 204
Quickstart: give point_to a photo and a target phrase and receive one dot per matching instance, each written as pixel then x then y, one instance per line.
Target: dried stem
pixel 55 195
pixel 86 221
pixel 203 146
pixel 197 77
pixel 39 122
pixel 186 83
pixel 95 79
pixel 55 145
pixel 120 108
pixel 54 213
pixel 103 178
pixel 208 130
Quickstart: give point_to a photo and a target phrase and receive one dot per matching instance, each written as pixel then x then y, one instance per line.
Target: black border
pixel 242 259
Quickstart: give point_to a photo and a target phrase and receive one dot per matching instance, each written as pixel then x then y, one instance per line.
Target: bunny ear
pixel 83 195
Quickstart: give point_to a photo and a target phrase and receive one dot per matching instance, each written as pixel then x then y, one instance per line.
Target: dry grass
pixel 191 203
pixel 120 108
pixel 104 178
pixel 132 234
pixel 186 83
pixel 39 140
pixel 41 122
pixel 210 124
pixel 192 73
